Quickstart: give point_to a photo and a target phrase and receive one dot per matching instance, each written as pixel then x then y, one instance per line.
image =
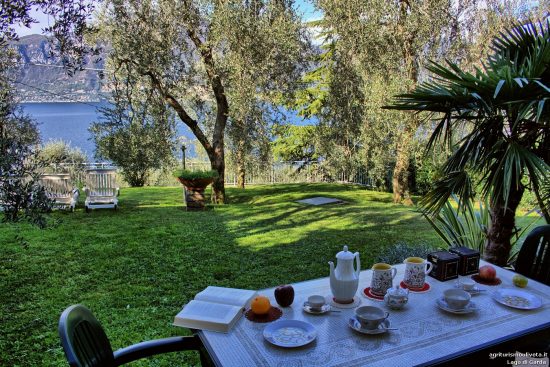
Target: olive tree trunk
pixel 241 164
pixel 215 147
pixel 400 180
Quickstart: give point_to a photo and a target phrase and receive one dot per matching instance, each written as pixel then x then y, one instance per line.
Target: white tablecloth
pixel 425 333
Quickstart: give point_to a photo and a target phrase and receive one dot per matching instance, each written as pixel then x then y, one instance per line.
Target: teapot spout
pixel 331 264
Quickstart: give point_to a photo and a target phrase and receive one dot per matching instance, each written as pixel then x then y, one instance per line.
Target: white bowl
pixel 370 316
pixel 316 302
pixel 457 299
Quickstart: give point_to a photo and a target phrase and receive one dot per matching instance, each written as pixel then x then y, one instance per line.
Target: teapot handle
pixel 358 264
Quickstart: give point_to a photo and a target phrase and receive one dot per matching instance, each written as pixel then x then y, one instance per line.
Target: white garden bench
pixel 60 189
pixel 101 189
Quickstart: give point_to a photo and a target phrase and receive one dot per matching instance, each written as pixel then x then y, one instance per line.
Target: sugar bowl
pixel 396 297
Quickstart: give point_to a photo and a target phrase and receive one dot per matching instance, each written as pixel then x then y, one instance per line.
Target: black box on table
pixel 445 265
pixel 469 260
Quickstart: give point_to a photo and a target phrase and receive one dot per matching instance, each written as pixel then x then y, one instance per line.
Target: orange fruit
pixel 260 305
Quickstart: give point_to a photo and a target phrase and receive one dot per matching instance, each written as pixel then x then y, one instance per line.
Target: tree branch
pixel 215 80
pixel 183 115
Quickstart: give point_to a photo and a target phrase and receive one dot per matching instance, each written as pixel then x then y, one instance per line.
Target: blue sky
pixel 305 9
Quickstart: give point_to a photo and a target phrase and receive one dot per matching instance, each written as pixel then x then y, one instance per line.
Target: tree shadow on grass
pixel 263 193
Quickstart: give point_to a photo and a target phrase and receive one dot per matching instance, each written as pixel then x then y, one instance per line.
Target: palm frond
pixel 504 105
pixel 456 183
pixel 507 170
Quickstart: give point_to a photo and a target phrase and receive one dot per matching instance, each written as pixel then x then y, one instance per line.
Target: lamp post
pixel 183 156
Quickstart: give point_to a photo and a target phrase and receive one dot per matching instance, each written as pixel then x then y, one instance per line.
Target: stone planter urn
pixel 194 192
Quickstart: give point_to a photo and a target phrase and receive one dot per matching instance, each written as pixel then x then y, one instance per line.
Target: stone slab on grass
pixel 320 200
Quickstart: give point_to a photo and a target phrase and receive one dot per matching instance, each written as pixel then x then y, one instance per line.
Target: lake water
pixel 65 121
pixel 70 121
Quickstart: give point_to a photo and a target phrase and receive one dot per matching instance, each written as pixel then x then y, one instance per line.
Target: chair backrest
pixel 534 256
pixel 83 339
pixel 101 182
pixel 57 185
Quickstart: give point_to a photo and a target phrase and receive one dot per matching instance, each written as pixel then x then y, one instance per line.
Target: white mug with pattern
pixel 382 278
pixel 416 269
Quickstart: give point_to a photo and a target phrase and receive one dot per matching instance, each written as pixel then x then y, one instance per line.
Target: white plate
pixel 290 333
pixel 517 299
pixel 316 311
pixel 356 325
pixel 442 304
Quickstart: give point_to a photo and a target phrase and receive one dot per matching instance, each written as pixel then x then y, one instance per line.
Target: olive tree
pixel 20 166
pixel 20 193
pixel 137 132
pixel 196 54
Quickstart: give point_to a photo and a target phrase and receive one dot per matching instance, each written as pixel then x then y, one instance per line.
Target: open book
pixel 214 309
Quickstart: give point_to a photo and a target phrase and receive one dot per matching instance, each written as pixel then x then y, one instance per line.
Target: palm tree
pixel 502 115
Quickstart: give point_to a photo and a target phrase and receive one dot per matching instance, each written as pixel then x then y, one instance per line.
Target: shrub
pixel 60 157
pixel 465 225
pixel 401 250
pixel 59 152
pixel 193 175
pixel 20 194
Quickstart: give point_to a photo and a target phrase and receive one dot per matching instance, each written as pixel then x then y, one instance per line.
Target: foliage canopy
pixel 504 107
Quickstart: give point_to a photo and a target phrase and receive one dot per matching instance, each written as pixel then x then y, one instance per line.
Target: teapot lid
pixel 397 291
pixel 345 254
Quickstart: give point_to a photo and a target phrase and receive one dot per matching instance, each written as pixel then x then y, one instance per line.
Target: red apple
pixel 284 295
pixel 487 272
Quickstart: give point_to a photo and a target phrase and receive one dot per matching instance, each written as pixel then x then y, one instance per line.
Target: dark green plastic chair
pixel 86 344
pixel 534 256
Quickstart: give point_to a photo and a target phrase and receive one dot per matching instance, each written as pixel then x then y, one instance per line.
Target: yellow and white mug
pixel 382 278
pixel 416 269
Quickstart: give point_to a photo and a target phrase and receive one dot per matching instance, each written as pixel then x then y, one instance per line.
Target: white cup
pixel 370 317
pixel 316 302
pixel 468 284
pixel 457 299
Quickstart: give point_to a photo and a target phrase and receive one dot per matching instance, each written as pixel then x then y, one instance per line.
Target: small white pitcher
pixel 416 269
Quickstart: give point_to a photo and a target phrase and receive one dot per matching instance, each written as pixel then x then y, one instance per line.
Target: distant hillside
pixel 47 81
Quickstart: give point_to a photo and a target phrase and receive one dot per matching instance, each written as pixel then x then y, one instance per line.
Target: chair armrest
pixel 158 346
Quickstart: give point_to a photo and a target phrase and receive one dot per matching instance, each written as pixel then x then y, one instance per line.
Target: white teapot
pixel 396 298
pixel 344 279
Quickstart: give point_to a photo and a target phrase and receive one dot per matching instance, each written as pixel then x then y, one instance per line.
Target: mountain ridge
pixel 41 77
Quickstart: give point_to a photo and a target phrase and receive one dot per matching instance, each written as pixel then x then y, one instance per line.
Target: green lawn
pixel 136 267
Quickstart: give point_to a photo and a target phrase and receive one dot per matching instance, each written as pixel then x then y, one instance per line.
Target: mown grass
pixel 136 267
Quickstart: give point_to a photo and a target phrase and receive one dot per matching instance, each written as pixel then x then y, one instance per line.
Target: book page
pixel 230 296
pixel 210 311
pixel 209 316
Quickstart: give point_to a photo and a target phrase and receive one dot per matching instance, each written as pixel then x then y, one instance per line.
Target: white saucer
pixel 442 304
pixel 316 311
pixel 356 302
pixel 356 325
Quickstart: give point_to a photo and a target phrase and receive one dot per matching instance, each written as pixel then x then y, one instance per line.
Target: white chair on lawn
pixel 101 189
pixel 60 189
